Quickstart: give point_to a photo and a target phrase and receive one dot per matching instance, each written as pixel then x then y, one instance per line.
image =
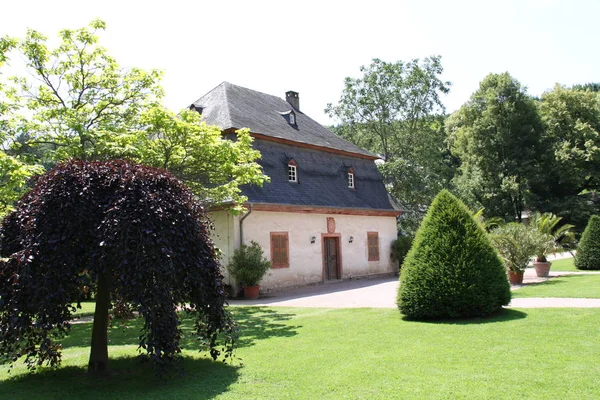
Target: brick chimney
pixel 293 98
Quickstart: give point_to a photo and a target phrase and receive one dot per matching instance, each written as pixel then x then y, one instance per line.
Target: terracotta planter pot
pixel 251 292
pixel 515 278
pixel 542 268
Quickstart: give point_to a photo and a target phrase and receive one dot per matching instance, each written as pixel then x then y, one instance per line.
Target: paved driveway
pixel 381 293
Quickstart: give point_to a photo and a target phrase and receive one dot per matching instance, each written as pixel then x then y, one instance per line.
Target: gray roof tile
pixel 322 176
pixel 231 106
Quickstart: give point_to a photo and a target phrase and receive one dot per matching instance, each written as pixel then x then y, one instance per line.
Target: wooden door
pixel 332 263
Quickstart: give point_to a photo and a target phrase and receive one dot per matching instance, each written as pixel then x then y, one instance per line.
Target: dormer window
pixel 290 117
pixel 293 171
pixel 351 178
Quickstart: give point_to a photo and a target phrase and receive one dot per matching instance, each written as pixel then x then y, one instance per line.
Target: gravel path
pixel 381 293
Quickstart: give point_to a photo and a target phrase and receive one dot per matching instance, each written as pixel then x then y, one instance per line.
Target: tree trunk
pixel 98 363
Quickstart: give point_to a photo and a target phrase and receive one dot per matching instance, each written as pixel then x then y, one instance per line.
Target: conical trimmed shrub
pixel 588 251
pixel 452 270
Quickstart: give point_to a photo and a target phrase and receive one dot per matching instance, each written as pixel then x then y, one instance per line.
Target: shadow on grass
pixel 557 281
pixel 258 323
pixel 120 332
pixel 129 379
pixel 503 315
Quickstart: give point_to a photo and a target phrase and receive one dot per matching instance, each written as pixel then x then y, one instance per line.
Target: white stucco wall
pixel 225 236
pixel 306 259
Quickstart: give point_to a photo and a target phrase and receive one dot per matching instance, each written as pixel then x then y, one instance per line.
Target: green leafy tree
pixel 139 232
pixel 497 136
pixel 14 175
pixel 211 165
pixel 591 87
pixel 567 187
pixel 74 101
pixel 395 110
pixel 451 270
pixel 78 100
pixel 588 251
pixel 14 172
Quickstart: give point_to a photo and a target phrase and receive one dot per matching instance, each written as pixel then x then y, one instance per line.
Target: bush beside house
pixel 248 266
pixel 588 251
pixel 451 270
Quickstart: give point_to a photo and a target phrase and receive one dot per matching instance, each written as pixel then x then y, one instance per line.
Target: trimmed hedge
pixel 400 248
pixel 588 251
pixel 452 270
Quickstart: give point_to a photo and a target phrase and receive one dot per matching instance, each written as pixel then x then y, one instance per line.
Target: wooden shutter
pixel 279 250
pixel 373 246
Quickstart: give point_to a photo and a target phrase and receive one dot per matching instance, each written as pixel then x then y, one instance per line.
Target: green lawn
pixel 348 354
pixel 87 309
pixel 565 264
pixel 577 286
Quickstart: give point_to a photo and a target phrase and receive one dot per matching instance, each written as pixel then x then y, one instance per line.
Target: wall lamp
pixel 313 240
pixel 351 239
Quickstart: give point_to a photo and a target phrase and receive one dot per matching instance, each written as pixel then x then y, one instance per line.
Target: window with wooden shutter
pixel 280 250
pixel 373 245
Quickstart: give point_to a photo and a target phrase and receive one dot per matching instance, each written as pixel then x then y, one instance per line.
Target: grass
pixel 573 286
pixel 565 264
pixel 87 309
pixel 347 354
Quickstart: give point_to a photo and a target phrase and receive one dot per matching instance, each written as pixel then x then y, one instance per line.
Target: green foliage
pixel 571 170
pixel 588 251
pixel 590 87
pixel 517 243
pixel 78 100
pixel 135 227
pixel 75 101
pixel 451 270
pixel 248 266
pixel 400 248
pixel 14 175
pixel 496 136
pixel 212 166
pixel 487 223
pixel 563 238
pixel 395 110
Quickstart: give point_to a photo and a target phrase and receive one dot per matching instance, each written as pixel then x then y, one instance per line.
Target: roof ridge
pixel 228 105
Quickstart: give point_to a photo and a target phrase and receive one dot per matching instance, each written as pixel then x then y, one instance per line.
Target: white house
pixel 325 215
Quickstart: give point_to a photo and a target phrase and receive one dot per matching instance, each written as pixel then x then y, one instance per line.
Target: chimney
pixel 293 98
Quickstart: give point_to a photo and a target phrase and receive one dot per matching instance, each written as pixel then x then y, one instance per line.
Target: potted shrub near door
pixel 248 266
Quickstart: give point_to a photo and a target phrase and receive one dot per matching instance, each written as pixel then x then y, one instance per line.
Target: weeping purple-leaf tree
pixel 139 232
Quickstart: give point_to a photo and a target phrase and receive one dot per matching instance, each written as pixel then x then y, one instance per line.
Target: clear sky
pixel 311 46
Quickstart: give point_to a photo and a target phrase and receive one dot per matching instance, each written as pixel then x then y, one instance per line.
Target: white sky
pixel 311 46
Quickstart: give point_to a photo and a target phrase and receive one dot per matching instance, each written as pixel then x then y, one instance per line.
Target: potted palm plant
pixel 561 238
pixel 516 244
pixel 248 266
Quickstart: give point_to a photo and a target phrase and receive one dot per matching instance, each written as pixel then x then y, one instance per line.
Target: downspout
pixel 242 225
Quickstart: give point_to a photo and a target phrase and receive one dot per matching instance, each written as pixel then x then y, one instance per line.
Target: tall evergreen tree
pixel 451 270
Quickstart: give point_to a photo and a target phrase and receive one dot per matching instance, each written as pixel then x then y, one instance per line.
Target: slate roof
pixel 231 106
pixel 322 179
pixel 322 176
